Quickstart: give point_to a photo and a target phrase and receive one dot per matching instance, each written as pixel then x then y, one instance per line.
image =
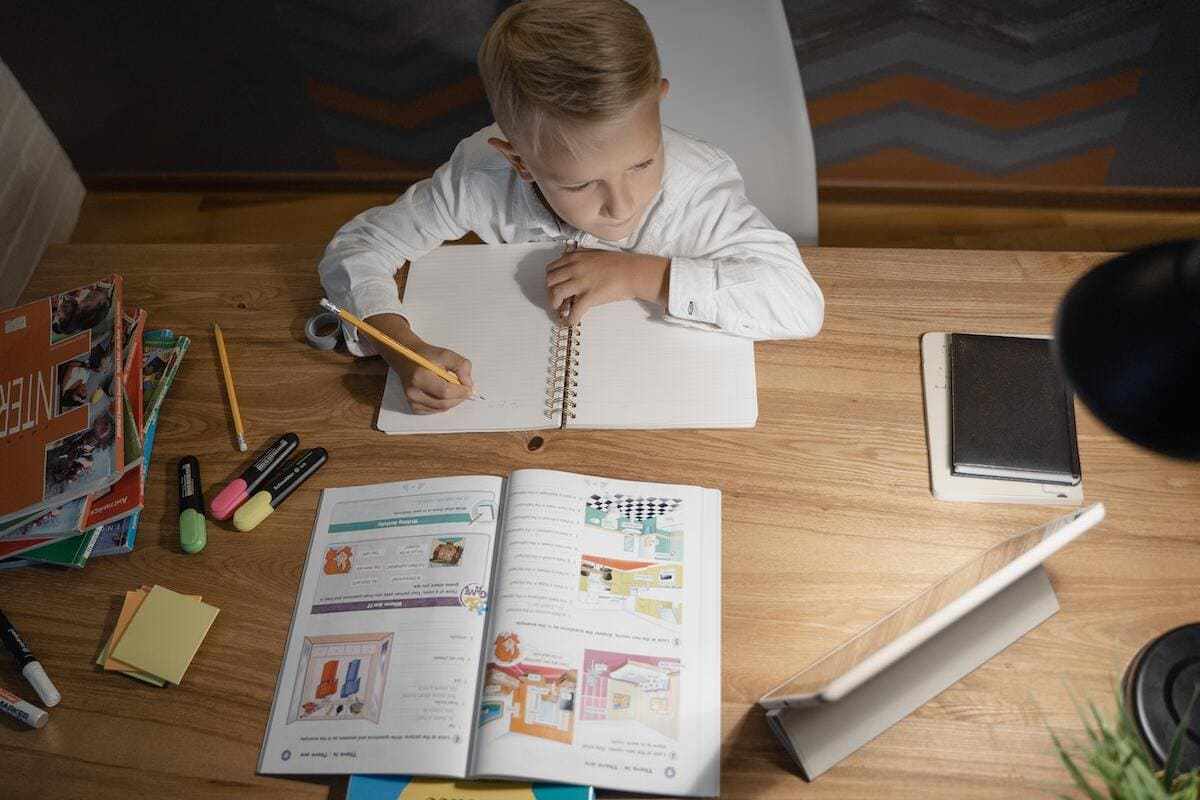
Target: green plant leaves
pixel 1172 765
pixel 1118 756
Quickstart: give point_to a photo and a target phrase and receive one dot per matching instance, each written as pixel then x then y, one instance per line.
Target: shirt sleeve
pixel 359 265
pixel 735 271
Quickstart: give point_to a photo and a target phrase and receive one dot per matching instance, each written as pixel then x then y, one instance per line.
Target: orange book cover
pixel 61 414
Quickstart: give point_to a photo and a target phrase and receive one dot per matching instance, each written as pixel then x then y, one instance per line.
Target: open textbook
pixel 623 366
pixel 548 627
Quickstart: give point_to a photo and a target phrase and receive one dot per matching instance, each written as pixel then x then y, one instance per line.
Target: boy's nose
pixel 619 203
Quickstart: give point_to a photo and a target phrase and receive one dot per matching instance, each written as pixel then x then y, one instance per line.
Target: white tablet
pixel 900 632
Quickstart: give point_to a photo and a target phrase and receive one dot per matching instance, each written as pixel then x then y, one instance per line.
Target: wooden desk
pixel 828 524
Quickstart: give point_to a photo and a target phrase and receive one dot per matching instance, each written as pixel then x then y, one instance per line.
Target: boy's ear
pixel 514 158
pixel 664 87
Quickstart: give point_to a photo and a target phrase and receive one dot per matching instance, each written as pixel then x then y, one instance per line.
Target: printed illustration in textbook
pixel 50 523
pixel 119 537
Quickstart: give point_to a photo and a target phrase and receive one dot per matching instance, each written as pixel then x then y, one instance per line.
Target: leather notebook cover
pixel 1010 411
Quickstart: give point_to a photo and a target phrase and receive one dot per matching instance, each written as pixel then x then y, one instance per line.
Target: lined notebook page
pixel 486 302
pixel 639 371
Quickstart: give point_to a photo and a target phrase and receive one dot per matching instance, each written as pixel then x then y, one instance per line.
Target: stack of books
pixel 81 385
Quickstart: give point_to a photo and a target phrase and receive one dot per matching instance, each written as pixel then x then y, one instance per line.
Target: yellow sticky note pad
pixel 164 634
pixel 132 601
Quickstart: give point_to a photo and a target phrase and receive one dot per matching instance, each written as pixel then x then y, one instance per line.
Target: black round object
pixel 1127 339
pixel 1158 687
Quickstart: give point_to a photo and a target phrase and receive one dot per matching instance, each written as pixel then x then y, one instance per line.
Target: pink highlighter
pixel 236 492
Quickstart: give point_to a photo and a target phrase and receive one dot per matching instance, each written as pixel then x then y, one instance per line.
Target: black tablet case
pixel 1009 409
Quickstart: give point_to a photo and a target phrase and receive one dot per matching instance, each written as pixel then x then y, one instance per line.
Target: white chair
pixel 735 84
pixel 40 192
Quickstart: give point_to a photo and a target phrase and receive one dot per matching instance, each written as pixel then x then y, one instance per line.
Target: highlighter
pixel 282 483
pixel 192 535
pixel 229 498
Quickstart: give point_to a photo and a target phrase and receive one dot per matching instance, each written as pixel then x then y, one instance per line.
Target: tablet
pixel 854 663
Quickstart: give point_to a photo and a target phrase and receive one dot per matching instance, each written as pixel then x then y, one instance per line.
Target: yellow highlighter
pixel 285 481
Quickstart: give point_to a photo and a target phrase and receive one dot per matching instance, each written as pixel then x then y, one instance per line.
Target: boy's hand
pixel 582 279
pixel 427 392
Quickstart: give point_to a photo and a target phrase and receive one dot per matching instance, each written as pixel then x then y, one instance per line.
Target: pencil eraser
pixel 229 498
pixel 254 511
pixel 35 673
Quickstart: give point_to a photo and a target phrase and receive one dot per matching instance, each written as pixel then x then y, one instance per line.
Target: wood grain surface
pixel 828 525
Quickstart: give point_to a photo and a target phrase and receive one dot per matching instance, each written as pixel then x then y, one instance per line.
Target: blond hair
pixel 567 62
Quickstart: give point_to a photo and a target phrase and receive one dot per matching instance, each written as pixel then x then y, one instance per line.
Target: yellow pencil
pixel 392 344
pixel 233 404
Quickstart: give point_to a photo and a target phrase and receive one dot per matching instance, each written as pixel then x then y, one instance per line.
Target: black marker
pixel 282 483
pixel 30 667
pixel 224 504
pixel 192 534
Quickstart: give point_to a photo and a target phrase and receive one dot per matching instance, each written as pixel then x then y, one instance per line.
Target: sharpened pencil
pixel 233 403
pixel 395 346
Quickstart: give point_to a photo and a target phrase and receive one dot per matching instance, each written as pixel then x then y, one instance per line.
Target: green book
pixel 72 551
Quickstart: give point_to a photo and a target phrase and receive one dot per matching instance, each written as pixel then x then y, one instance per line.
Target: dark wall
pixel 1054 92
pixel 181 85
pixel 197 85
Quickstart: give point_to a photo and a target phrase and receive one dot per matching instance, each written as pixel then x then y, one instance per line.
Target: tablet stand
pixel 820 736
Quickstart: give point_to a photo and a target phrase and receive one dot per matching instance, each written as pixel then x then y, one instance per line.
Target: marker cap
pixel 192 533
pixel 255 510
pixel 228 499
pixel 28 713
pixel 40 681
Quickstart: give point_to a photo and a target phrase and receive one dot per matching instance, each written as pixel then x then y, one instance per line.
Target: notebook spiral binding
pixel 562 385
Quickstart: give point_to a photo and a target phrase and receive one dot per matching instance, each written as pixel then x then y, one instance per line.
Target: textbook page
pixel 602 662
pixel 381 669
pixel 637 370
pixel 487 303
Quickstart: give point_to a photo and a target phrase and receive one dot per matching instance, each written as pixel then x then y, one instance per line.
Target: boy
pixel 578 155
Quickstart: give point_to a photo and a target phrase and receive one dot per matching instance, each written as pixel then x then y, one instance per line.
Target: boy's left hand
pixel 584 278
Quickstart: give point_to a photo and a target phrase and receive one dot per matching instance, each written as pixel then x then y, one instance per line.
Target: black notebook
pixel 1011 416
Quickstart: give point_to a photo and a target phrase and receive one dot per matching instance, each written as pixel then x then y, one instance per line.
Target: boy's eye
pixel 578 188
pixel 642 166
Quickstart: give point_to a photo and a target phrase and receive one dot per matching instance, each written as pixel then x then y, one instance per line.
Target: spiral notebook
pixel 623 366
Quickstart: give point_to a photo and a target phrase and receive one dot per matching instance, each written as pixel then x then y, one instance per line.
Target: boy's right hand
pixel 427 392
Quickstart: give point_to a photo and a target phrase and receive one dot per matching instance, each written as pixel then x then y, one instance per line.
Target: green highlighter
pixel 192 535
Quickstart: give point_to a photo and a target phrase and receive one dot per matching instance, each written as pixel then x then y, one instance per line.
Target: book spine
pixel 118 377
pixel 562 384
pixel 86 553
pixel 154 401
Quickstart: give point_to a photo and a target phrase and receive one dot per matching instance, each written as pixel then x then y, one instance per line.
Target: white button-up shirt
pixel 731 270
